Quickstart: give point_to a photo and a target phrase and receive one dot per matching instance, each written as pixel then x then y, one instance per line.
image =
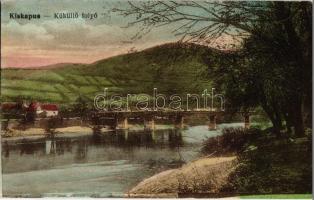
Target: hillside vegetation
pixel 172 68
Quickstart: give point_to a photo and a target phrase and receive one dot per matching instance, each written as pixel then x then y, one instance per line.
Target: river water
pixel 106 165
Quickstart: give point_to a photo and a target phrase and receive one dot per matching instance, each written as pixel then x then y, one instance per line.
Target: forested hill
pixel 172 68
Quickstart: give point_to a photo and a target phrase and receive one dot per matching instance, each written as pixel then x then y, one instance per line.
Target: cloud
pixel 79 32
pixel 21 33
pixel 63 32
pixel 69 40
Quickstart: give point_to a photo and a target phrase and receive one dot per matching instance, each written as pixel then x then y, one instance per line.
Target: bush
pixel 273 167
pixel 232 140
pixel 266 164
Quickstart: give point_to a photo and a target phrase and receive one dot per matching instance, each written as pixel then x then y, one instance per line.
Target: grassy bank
pixel 267 164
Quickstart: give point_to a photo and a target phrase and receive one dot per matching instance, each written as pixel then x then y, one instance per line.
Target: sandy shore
pixel 205 175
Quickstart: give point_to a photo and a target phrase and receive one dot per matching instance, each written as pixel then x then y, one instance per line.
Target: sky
pixel 35 43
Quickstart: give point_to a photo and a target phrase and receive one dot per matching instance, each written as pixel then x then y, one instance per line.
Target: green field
pixel 172 68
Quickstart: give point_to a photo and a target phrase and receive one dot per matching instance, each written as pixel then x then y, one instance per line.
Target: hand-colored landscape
pixel 156 99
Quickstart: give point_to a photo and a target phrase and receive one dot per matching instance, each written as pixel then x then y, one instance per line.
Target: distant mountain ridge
pixel 172 67
pixel 57 65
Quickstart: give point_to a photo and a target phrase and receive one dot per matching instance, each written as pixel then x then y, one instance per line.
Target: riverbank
pixel 264 165
pixel 205 175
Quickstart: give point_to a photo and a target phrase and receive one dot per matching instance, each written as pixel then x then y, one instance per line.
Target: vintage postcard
pixel 156 99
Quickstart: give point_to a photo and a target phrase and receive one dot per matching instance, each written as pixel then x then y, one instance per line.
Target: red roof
pixel 49 107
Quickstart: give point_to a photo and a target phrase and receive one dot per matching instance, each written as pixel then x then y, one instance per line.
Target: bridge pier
pixel 179 122
pixel 119 120
pixel 247 122
pixel 212 123
pixel 149 123
pixel 122 123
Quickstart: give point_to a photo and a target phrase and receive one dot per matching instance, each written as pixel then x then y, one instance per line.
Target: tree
pixel 272 64
pixel 80 107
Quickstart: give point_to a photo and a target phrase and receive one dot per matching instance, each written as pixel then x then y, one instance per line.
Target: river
pixel 106 165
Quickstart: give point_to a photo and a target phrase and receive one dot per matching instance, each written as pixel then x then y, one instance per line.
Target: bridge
pixel 120 119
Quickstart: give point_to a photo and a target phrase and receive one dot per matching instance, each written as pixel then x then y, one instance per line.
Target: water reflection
pixel 6 149
pixel 81 151
pixel 79 147
pixel 139 139
pixel 109 162
pixel 27 148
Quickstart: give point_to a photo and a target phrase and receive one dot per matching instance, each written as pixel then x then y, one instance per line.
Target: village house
pixel 43 110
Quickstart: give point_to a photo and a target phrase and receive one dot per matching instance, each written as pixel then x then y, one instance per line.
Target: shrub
pixel 232 140
pixel 273 167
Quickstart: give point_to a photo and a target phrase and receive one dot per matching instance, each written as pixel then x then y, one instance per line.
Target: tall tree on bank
pixel 272 64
